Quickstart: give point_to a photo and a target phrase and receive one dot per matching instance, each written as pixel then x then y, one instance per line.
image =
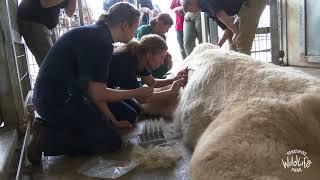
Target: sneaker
pixel 35 148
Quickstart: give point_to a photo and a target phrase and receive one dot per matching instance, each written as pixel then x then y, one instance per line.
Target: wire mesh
pixel 261 46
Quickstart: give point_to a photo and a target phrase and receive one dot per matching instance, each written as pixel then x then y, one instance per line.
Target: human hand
pixel 176 85
pixel 182 74
pixel 227 34
pixel 122 124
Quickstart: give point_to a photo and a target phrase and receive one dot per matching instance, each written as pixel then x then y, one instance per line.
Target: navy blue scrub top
pixel 31 10
pixel 123 71
pixel 79 56
pixel 210 7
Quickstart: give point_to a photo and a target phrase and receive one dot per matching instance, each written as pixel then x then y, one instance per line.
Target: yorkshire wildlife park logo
pixel 296 161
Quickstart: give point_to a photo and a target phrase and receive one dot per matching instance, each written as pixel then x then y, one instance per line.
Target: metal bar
pixel 20 56
pixel 23 152
pixel 11 59
pixel 264 50
pixel 204 27
pixel 213 29
pixel 302 29
pixel 23 76
pixel 80 12
pixel 263 30
pixel 274 31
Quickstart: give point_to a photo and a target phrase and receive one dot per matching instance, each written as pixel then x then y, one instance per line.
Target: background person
pixel 178 10
pixel 223 11
pixel 36 18
pixel 135 59
pixel 159 25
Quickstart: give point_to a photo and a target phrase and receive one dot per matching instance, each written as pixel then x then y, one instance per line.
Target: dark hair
pixel 150 43
pixel 164 17
pixel 120 12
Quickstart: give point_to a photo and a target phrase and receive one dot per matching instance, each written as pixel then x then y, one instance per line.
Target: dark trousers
pixel 37 37
pixel 181 45
pixel 126 110
pixel 80 129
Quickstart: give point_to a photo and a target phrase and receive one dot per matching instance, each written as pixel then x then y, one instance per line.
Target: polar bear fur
pixel 242 116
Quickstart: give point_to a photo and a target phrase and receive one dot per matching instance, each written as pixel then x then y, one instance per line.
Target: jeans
pixel 248 17
pixel 191 31
pixel 181 45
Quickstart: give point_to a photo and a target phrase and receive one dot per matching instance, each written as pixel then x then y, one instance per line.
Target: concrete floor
pixel 311 71
pixel 65 168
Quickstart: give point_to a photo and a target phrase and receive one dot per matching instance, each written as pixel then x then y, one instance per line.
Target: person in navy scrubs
pixel 135 59
pixel 71 86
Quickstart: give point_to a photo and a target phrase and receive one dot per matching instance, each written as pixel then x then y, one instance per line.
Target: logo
pixel 296 161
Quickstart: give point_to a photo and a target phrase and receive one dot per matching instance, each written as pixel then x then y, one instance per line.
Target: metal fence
pixel 261 46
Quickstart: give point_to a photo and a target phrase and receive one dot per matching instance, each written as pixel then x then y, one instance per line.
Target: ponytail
pixel 131 47
pixel 150 43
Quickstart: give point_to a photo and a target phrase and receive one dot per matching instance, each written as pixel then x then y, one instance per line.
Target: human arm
pixel 175 7
pixel 50 3
pixel 227 20
pixel 172 92
pixel 227 34
pixel 109 95
pixel 146 10
pixel 156 83
pixel 99 92
pixel 70 8
pixel 108 115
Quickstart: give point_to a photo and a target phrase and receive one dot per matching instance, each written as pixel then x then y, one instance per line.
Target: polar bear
pixel 241 116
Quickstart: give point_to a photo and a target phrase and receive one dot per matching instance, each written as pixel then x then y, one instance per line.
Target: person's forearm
pixel 71 8
pixel 161 95
pixel 224 37
pixel 103 107
pixel 50 3
pixel 222 41
pixel 99 92
pixel 162 82
pixel 112 95
pixel 179 8
pixel 226 20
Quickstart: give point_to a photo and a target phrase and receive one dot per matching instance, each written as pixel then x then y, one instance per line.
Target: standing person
pixel 159 25
pixel 147 10
pixel 178 10
pixel 71 85
pixel 108 3
pixel 191 31
pixel 248 14
pixel 137 59
pixel 36 18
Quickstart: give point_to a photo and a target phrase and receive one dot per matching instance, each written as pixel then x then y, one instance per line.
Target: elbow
pixel 70 13
pixel 44 4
